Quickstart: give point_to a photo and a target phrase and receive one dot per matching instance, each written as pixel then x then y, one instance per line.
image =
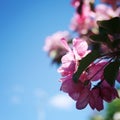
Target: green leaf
pixel 112 26
pixel 111 72
pixel 84 63
pixel 100 38
pixel 116 43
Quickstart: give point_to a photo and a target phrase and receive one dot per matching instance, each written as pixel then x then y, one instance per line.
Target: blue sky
pixel 29 86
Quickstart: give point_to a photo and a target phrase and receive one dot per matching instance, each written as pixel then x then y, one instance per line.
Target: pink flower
pixel 83 99
pixel 84 92
pixel 70 60
pixel 95 71
pixel 105 12
pixel 68 64
pixel 108 93
pixel 83 22
pixel 75 3
pixel 102 92
pixel 70 87
pixel 80 48
pixel 95 101
pixel 78 91
pixel 53 43
pixel 54 47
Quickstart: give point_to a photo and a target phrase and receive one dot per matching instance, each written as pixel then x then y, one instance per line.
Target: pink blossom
pixel 68 64
pixel 77 91
pixel 103 92
pixel 91 88
pixel 105 12
pixel 83 99
pixel 95 96
pixel 95 71
pixel 95 101
pixel 80 48
pixel 70 60
pixel 54 47
pixel 75 3
pixel 70 87
pixel 118 11
pixel 86 20
pixel 108 93
pixel 83 22
pixel 84 92
pixel 53 42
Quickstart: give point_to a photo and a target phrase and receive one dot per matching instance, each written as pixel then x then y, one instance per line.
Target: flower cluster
pixel 54 46
pixel 91 87
pixel 90 62
pixel 84 20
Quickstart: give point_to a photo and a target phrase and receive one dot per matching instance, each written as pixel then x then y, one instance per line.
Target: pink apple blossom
pixel 95 101
pixel 95 71
pixel 108 93
pixel 105 12
pixel 53 42
pixel 83 98
pixel 75 3
pixel 91 88
pixel 70 87
pixel 103 92
pixel 80 48
pixel 70 60
pixel 78 92
pixel 54 46
pixel 83 22
pixel 69 65
pixel 84 92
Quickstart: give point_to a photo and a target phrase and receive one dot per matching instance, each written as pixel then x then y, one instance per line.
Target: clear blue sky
pixel 29 83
